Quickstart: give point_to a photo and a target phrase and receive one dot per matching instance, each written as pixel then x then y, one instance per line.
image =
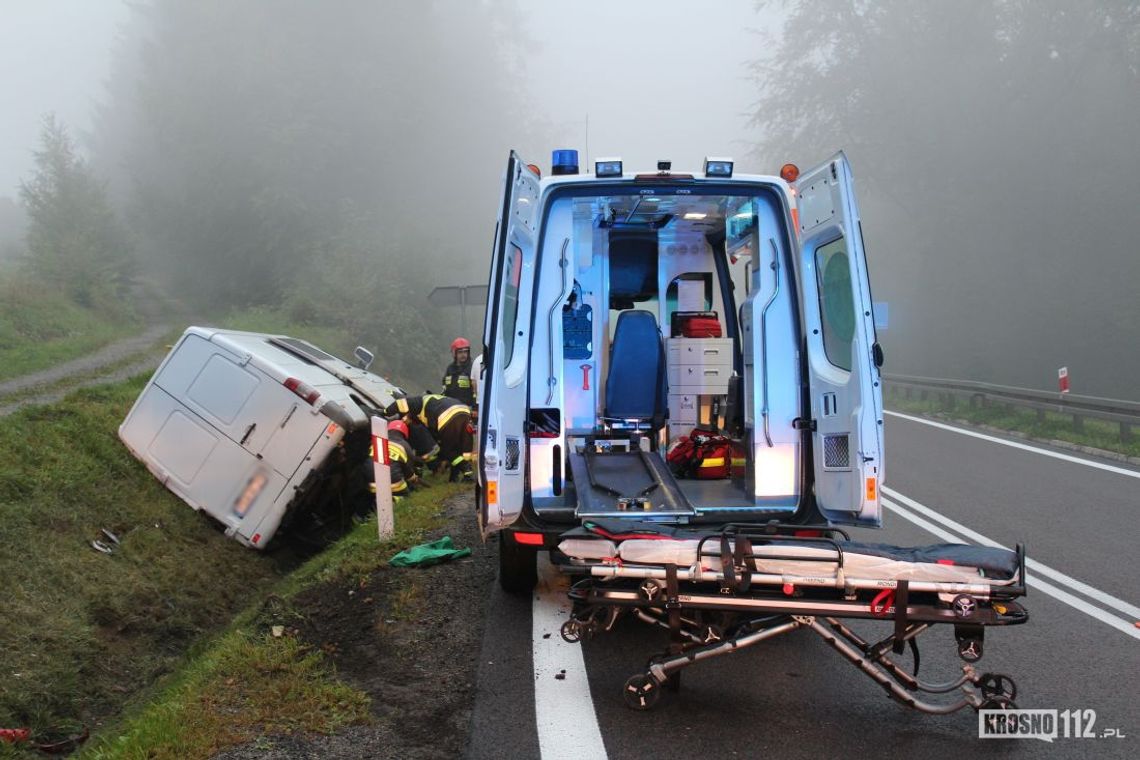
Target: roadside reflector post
pixel 382 474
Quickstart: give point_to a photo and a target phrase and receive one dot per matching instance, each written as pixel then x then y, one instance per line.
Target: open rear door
pixel 843 356
pixel 506 352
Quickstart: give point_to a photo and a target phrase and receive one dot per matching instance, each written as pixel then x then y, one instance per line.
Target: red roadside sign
pixel 1063 379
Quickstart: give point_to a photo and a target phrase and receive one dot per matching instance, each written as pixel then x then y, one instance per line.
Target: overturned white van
pixel 257 430
pixel 627 309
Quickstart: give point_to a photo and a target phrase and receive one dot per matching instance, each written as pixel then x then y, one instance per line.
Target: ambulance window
pixel 836 302
pixel 511 300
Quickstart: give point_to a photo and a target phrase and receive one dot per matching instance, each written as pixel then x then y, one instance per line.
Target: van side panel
pixel 203 467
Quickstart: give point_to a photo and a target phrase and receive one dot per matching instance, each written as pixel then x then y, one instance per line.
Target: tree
pixel 996 159
pixel 74 239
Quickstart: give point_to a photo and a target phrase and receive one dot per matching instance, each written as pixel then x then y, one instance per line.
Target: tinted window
pixel 836 302
pixel 511 279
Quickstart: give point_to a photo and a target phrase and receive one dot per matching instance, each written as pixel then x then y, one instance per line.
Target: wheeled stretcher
pixel 717 593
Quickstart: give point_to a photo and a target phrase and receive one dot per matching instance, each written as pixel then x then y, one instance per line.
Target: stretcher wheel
pixel 964 606
pixel 970 650
pixel 571 632
pixel 641 692
pixel 997 685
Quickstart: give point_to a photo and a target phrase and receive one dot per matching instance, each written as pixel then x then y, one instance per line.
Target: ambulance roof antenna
pixel 587 142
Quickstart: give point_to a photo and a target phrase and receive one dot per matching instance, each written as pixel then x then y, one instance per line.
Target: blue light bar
pixel 564 162
pixel 607 167
pixel 718 167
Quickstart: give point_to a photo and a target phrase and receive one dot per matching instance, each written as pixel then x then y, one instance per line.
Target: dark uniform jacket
pixel 457 382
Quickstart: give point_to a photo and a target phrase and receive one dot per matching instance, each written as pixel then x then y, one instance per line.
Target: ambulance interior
pixel 655 315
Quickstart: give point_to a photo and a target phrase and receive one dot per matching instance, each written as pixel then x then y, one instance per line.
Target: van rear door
pixel 843 357
pixel 506 351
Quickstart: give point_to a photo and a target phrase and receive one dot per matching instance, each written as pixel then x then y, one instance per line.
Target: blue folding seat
pixel 636 385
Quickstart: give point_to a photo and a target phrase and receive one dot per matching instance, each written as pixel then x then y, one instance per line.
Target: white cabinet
pixel 699 366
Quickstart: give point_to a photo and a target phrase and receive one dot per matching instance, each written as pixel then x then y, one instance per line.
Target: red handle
pixel 585 377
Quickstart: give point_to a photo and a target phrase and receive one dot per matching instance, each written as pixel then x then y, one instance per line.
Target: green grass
pixel 1055 426
pixel 82 630
pixel 40 328
pixel 249 685
pixel 175 622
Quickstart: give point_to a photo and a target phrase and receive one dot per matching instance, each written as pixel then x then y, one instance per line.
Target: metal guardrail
pixel 1126 414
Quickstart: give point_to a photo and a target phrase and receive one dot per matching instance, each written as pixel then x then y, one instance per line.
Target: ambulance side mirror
pixel 364 357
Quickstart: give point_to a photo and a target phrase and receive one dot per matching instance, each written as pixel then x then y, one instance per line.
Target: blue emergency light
pixel 564 162
pixel 718 167
pixel 607 167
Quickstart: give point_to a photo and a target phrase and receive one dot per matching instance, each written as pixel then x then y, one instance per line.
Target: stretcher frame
pixel 711 612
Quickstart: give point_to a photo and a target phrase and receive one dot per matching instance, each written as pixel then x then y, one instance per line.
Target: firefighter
pixel 402 461
pixel 403 458
pixel 457 381
pixel 448 421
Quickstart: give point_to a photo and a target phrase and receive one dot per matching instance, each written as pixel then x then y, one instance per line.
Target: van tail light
pixel 305 391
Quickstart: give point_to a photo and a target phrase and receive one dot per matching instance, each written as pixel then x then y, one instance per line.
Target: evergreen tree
pixel 74 239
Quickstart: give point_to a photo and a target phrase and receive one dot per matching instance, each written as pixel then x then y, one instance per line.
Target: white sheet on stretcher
pixel 683 553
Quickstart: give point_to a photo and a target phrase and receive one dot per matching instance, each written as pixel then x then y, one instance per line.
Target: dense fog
pixel 337 160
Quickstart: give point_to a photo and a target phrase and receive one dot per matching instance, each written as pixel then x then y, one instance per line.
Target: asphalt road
pixel 794 696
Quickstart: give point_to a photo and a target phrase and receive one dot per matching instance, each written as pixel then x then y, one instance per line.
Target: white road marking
pixel 1077 603
pixel 1039 569
pixel 563 707
pixel 1018 445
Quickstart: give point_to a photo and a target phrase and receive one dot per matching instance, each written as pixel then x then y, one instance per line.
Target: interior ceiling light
pixel 695 215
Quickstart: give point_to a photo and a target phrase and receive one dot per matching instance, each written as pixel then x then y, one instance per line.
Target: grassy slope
pixel 84 633
pixel 249 684
pixel 39 328
pixel 82 630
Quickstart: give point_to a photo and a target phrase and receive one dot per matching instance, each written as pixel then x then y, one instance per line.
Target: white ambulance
pixel 627 309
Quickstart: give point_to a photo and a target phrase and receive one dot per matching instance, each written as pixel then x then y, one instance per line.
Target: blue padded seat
pixel 636 386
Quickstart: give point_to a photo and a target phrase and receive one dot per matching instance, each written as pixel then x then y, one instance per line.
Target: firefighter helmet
pixel 399 425
pixel 459 343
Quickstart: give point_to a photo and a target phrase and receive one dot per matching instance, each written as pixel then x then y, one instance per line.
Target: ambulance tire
pixel 518 566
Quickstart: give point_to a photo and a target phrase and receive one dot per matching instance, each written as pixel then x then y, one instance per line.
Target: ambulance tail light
pixel 304 390
pixel 528 539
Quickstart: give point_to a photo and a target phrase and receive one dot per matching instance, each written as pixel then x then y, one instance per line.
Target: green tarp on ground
pixel 428 554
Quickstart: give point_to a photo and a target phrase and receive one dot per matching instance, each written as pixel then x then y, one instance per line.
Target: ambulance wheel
pixel 518 566
pixel 641 692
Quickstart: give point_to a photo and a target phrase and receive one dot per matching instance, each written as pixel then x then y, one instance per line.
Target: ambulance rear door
pixel 843 355
pixel 506 352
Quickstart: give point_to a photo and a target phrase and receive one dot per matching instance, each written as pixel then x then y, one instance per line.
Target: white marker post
pixel 382 472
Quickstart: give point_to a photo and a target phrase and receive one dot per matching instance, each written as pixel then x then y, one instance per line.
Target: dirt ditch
pixel 410 639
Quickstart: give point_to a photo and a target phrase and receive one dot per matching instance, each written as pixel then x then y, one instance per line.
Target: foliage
pixel 74 239
pixel 996 160
pixel 337 160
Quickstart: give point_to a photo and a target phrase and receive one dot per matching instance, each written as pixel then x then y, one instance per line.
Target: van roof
pixel 282 357
pixel 650 176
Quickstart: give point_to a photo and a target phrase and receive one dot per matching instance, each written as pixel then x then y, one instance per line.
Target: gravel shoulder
pixel 112 363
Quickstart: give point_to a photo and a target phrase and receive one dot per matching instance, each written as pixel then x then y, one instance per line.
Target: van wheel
pixel 518 566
